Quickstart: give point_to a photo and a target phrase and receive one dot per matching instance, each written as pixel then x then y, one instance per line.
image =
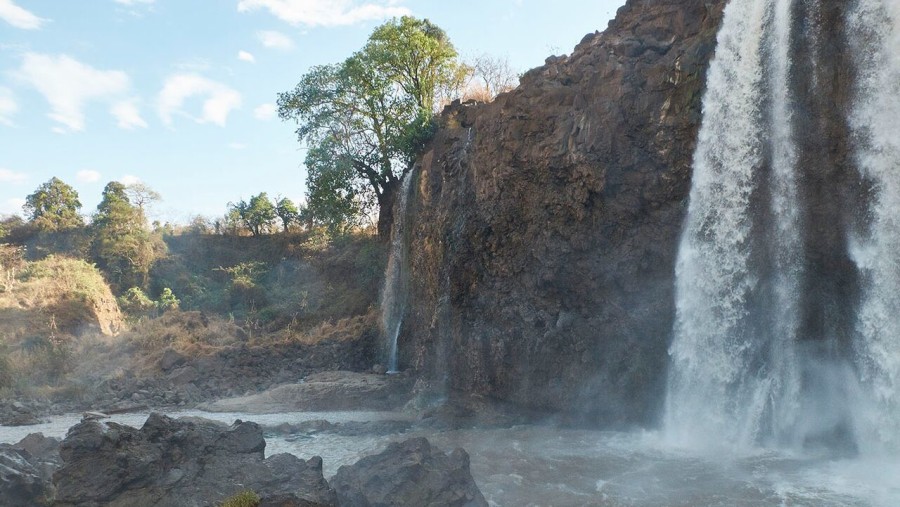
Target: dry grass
pixel 349 329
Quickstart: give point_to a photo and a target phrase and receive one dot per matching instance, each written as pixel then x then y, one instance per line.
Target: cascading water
pixel 776 342
pixel 875 25
pixel 733 373
pixel 396 283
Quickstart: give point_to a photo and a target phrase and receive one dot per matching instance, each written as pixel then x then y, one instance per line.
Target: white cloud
pixel 265 111
pixel 219 101
pixel 8 176
pixel 87 176
pixel 134 2
pixel 12 206
pixel 274 40
pixel 237 146
pixel 129 179
pixel 325 12
pixel 128 115
pixel 244 56
pixel 8 106
pixel 19 17
pixel 68 85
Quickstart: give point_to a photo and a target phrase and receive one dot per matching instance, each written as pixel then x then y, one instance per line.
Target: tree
pixel 365 120
pixel 123 245
pixel 141 195
pixel 287 211
pixel 492 76
pixel 54 207
pixel 256 215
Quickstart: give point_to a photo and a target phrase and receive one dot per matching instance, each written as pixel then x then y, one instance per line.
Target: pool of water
pixel 546 466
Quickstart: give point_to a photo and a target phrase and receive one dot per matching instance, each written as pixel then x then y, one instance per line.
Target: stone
pixel 409 473
pixel 184 462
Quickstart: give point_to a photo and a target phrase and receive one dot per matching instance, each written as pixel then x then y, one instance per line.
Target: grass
pixel 242 499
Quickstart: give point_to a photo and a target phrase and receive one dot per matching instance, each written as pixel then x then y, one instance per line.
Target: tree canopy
pixel 366 119
pixel 54 206
pixel 257 215
pixel 123 245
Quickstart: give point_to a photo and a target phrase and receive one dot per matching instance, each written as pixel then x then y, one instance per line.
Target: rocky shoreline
pixel 191 462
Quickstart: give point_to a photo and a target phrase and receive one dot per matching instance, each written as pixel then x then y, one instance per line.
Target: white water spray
pixel 730 380
pixel 394 295
pixel 875 39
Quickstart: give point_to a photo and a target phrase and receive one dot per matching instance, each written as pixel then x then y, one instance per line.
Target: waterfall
pixel 875 29
pixel 396 282
pixel 733 372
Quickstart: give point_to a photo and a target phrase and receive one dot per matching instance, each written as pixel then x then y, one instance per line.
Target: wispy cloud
pixel 68 85
pixel 127 115
pixel 237 146
pixel 8 106
pixel 264 111
pixel 134 2
pixel 87 176
pixel 219 100
pixel 245 56
pixel 325 12
pixel 19 17
pixel 9 176
pixel 12 206
pixel 129 179
pixel 274 40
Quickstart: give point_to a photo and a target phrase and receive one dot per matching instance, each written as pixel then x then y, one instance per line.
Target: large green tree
pixel 53 207
pixel 123 245
pixel 365 120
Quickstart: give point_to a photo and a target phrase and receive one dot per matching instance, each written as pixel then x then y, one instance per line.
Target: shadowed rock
pixel 179 463
pixel 409 473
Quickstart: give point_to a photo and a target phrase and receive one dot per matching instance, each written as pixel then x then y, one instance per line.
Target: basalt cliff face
pixel 543 227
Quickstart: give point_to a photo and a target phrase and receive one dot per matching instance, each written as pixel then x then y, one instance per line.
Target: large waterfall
pixel 746 369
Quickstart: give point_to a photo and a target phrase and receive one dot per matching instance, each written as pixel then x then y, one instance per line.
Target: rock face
pixel 544 225
pixel 26 469
pixel 409 473
pixel 184 462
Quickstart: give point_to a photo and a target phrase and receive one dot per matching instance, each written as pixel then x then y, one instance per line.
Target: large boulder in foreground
pixel 409 473
pixel 186 462
pixel 25 471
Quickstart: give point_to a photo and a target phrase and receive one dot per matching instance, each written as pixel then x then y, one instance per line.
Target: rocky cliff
pixel 543 226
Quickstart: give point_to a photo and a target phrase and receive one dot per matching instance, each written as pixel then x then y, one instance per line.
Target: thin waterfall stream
pixel 396 282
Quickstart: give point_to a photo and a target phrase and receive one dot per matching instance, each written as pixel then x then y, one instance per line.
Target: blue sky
pixel 179 94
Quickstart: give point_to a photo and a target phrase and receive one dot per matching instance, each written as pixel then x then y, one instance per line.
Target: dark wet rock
pixel 546 223
pixel 349 428
pixel 185 462
pixel 25 471
pixel 21 484
pixel 287 501
pixel 17 413
pixel 409 473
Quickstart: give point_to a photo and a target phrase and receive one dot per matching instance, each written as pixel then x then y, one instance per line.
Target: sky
pixel 180 94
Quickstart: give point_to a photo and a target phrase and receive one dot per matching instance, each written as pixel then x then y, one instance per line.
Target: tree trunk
pixel 386 201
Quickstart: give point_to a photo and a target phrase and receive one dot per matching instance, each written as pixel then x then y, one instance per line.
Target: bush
pixel 242 499
pixel 167 300
pixel 136 303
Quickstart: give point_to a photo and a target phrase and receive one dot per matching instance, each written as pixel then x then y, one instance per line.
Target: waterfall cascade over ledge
pixel 787 328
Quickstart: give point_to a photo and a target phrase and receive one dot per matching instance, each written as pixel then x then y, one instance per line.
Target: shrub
pixel 167 300
pixel 242 499
pixel 135 302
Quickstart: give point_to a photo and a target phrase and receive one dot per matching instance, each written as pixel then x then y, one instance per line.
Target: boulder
pixel 409 473
pixel 184 462
pixel 25 471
